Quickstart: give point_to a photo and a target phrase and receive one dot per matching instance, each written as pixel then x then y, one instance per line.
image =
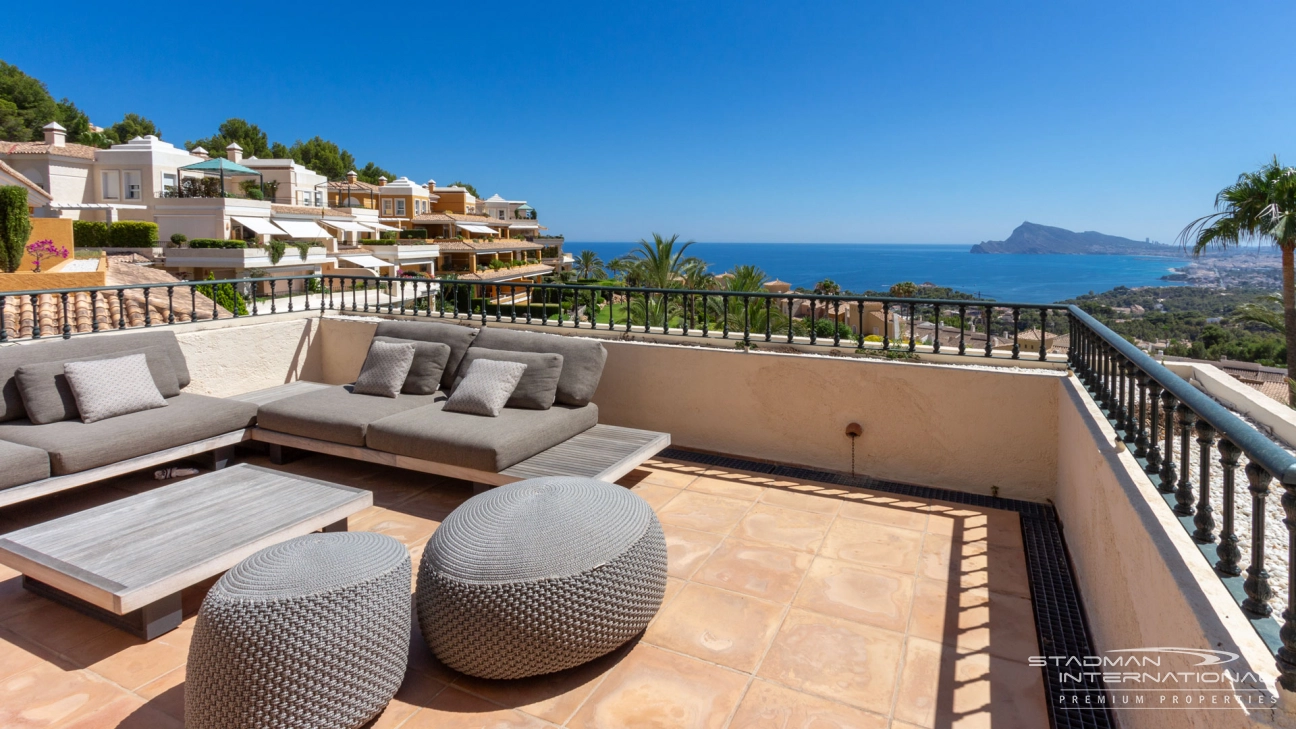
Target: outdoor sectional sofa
pixel 409 431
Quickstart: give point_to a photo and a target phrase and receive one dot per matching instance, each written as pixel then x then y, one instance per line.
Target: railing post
pixel 4 329
pixel 913 323
pixel 886 324
pixel 1227 550
pixel 1287 653
pixel 1016 350
pixel 1256 586
pixel 67 321
pixel 1183 493
pixel 936 343
pixel 1122 379
pixel 1204 520
pixel 1131 395
pixel 962 328
pixel 1154 428
pixel 1168 475
pixel 121 308
pixel 989 345
pixel 1140 432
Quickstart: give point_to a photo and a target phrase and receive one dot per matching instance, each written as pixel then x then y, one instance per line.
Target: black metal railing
pixel 1158 414
pixel 748 318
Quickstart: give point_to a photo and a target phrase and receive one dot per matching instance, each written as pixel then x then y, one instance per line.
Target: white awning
pixel 525 226
pixel 346 225
pixel 378 226
pixel 260 226
pixel 302 228
pixel 366 261
pixel 473 228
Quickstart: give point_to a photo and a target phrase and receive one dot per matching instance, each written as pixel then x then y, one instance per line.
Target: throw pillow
pixel 539 384
pixel 385 369
pixel 106 388
pixel 486 386
pixel 48 398
pixel 429 364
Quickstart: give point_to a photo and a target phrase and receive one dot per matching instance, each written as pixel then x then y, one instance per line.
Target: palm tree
pixel 589 265
pixel 827 287
pixel 1262 312
pixel 742 311
pixel 696 276
pixel 660 264
pixel 1260 206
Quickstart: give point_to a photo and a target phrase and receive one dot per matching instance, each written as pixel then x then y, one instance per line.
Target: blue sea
pixel 1036 279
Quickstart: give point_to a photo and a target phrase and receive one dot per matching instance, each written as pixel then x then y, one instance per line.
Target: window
pixel 134 191
pixel 305 197
pixel 319 199
pixel 387 206
pixel 501 215
pixel 168 181
pixel 110 185
pixel 400 207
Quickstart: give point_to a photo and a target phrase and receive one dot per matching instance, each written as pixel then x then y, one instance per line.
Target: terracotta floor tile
pixel 803 500
pixel 874 545
pixel 656 688
pixel 992 526
pixel 553 697
pixel 17 654
pixel 732 488
pixel 791 528
pixel 673 479
pixel 771 706
pixel 673 587
pixel 974 619
pixel 939 688
pixel 907 517
pixel 48 696
pixel 131 662
pixel 655 494
pixel 404 527
pixel 125 712
pixel 58 628
pixel 687 549
pixel 704 512
pixel 756 569
pixel 14 599
pixel 416 691
pixel 855 592
pixel 997 568
pixel 836 659
pixel 717 625
pixel 434 503
pixel 455 709
pixel 166 694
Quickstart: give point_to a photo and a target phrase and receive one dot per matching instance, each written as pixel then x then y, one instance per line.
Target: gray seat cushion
pixel 58 350
pixel 471 441
pixel 335 414
pixel 456 337
pixel 22 464
pixel 48 397
pixel 582 365
pixel 75 446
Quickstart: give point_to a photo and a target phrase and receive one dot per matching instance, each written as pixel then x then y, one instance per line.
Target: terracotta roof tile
pixel 67 150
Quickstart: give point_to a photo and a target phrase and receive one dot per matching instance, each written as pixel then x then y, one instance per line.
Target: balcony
pixel 998 508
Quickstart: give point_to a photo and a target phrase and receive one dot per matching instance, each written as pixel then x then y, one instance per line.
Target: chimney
pixel 431 185
pixel 199 152
pixel 233 152
pixel 382 181
pixel 351 177
pixel 55 134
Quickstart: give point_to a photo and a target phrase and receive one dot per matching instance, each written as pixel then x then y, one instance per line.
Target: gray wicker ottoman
pixel 313 632
pixel 539 576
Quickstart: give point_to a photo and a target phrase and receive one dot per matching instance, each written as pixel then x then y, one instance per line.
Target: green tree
pixel 471 190
pixel 740 311
pixel 25 105
pixel 904 290
pixel 1263 312
pixel 1260 206
pixel 371 172
pixel 659 263
pixel 15 226
pixel 131 126
pixel 827 287
pixel 589 265
pixel 75 121
pixel 254 142
pixel 320 155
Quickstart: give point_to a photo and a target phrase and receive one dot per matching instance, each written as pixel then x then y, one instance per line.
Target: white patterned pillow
pixel 384 369
pixel 106 388
pixel 486 387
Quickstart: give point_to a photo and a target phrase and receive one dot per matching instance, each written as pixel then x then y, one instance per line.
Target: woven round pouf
pixel 539 576
pixel 313 632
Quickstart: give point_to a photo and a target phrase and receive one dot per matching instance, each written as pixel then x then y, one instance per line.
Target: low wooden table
pixel 126 562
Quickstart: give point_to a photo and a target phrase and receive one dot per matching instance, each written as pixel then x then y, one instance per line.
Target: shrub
pixel 89 234
pixel 178 239
pixel 132 234
pixel 216 243
pixel 223 294
pixel 414 233
pixel 15 226
pixel 303 247
pixel 873 338
pixel 387 234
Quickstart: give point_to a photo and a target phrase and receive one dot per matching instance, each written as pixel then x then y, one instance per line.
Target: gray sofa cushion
pixel 471 441
pixel 87 345
pixel 47 397
pixel 485 387
pixel 539 384
pixel 335 414
pixel 385 369
pixel 22 464
pixel 582 358
pixel 456 337
pixel 76 446
pixel 429 364
pixel 108 388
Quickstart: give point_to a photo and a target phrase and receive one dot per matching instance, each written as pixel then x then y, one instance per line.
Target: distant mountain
pixel 1035 238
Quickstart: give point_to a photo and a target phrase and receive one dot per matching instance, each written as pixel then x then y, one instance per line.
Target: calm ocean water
pixel 875 266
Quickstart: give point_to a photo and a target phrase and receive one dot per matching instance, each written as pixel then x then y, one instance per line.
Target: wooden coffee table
pixel 126 562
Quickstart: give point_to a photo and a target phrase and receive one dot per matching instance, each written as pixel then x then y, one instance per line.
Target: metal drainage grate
pixel 1060 623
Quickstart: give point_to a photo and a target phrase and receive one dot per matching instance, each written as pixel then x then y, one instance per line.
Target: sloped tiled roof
pixel 11 172
pixel 81 151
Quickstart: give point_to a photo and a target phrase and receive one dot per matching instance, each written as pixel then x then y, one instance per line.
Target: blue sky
pixel 727 121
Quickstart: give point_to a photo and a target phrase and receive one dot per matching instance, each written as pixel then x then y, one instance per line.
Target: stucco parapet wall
pixel 1144 582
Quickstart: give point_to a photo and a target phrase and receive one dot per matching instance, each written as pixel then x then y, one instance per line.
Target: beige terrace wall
pixel 228 357
pixel 1143 580
pixel 961 428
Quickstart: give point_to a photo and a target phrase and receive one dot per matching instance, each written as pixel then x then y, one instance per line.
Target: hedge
pixel 216 243
pixel 414 233
pixel 89 234
pixel 132 234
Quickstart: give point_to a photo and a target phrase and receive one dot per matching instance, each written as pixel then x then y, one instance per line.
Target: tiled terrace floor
pixel 789 604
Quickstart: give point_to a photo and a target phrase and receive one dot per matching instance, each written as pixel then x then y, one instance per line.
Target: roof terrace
pixel 860 533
